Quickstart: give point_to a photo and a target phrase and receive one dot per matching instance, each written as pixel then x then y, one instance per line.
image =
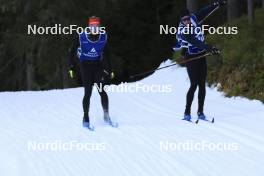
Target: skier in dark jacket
pixel 194 45
pixel 89 48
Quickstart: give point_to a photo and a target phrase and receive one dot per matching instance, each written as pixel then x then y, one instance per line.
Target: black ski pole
pixel 208 15
pixel 180 62
pixel 150 71
pixel 106 72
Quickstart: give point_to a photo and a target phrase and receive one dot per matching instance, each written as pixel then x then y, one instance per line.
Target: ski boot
pixel 187 117
pixel 108 120
pixel 86 123
pixel 201 116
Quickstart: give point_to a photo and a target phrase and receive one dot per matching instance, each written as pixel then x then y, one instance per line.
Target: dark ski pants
pixel 197 72
pixel 92 72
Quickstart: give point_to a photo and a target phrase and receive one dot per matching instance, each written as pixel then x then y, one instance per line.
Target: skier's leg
pixel 86 102
pixel 202 86
pixel 104 102
pixel 201 96
pixel 189 98
pixel 86 105
pixel 104 97
pixel 87 81
pixel 191 69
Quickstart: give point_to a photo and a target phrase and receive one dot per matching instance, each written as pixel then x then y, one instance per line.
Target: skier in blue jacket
pixel 90 50
pixel 193 44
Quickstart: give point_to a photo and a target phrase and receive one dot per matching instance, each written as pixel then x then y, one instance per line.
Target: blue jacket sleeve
pixel 194 41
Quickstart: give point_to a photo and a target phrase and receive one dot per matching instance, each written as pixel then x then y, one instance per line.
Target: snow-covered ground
pixel 151 140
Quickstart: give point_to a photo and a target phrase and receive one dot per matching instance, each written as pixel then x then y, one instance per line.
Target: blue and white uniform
pixel 194 42
pixel 196 33
pixel 91 50
pixel 186 40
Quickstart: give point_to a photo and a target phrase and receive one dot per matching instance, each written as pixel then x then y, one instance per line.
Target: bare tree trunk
pixel 29 71
pixel 251 14
pixel 232 9
pixel 192 5
pixel 157 11
pixel 30 53
pixel 64 75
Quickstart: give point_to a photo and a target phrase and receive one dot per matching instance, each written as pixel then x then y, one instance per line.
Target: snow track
pixel 145 121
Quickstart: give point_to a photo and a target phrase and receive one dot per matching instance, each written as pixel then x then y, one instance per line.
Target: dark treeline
pixel 40 62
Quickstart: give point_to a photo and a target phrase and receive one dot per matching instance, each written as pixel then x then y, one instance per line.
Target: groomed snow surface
pixel 151 140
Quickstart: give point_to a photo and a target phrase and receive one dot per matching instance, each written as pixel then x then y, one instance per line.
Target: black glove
pixel 213 50
pixel 219 2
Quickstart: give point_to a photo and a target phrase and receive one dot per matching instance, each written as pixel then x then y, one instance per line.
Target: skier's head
pixel 94 23
pixel 185 17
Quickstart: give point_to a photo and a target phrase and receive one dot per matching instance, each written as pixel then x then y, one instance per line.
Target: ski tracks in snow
pixel 146 121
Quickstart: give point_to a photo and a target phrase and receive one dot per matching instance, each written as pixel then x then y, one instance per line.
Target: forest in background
pixel 40 62
pixel 240 67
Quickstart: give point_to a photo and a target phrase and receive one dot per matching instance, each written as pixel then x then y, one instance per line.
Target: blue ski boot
pixel 86 123
pixel 187 117
pixel 108 120
pixel 201 116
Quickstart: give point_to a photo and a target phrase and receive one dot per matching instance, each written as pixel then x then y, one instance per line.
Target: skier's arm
pixel 108 63
pixel 206 11
pixel 176 47
pixel 72 53
pixel 190 38
pixel 71 58
pixel 201 45
pixel 106 59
